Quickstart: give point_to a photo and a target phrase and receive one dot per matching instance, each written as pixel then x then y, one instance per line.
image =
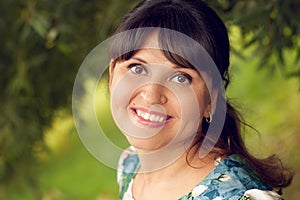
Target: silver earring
pixel 209 119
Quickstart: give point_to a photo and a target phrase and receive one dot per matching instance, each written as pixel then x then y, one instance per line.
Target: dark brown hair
pixel 198 21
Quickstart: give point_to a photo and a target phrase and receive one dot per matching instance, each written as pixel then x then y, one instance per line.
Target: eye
pixel 182 78
pixel 137 69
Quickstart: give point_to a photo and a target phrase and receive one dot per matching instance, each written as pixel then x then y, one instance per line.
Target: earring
pixel 209 120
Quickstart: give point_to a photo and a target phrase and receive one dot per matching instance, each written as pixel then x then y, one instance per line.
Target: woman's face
pixel 154 101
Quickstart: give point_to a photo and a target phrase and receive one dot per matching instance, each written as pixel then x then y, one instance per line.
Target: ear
pixel 214 99
pixel 211 107
pixel 111 71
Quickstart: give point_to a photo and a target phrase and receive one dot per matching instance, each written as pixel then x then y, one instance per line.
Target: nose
pixel 154 94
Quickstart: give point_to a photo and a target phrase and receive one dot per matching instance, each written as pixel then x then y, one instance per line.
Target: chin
pixel 146 144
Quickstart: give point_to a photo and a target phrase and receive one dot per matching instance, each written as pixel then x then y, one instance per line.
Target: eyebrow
pixel 145 62
pixel 139 59
pixel 173 66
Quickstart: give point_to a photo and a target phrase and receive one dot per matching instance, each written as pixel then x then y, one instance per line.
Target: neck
pixel 161 166
pixel 173 180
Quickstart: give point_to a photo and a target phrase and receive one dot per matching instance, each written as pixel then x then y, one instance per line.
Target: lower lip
pixel 147 123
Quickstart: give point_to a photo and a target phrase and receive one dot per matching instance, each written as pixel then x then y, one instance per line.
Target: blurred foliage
pixel 272 26
pixel 44 43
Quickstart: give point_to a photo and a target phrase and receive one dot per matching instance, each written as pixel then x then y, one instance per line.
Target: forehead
pixel 150 55
pixel 178 48
pixel 150 52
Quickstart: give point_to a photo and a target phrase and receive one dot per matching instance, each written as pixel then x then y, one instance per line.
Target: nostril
pixel 154 95
pixel 163 99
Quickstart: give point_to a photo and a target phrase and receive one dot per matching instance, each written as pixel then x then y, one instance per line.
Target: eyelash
pixel 187 76
pixel 131 67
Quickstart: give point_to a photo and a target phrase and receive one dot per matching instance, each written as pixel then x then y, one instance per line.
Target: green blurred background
pixel 44 43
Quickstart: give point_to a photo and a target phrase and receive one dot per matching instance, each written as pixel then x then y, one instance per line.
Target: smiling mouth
pixel 150 118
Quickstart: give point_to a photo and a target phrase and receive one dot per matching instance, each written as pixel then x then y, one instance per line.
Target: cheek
pixel 203 99
pixel 115 76
pixel 121 88
pixel 191 103
pixel 120 92
pixel 190 113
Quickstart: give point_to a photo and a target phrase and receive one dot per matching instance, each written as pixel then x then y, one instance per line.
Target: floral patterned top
pixel 231 179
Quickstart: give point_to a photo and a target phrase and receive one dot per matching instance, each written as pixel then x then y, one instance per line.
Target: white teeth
pixel 151 117
pixel 146 116
pixel 156 118
pixel 161 119
pixel 138 112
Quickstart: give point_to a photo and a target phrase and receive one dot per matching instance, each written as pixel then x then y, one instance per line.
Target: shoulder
pixel 241 173
pixel 232 178
pixel 256 194
pixel 251 186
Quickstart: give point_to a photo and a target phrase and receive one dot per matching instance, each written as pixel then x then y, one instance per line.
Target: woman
pixel 167 99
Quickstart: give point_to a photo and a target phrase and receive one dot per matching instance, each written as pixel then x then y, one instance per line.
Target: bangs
pixel 177 47
pixel 175 27
pixel 187 38
pixel 125 44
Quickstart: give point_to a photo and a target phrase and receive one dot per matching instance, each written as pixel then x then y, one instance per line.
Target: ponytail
pixel 270 169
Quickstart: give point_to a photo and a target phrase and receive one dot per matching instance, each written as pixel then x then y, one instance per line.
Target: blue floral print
pixel 232 179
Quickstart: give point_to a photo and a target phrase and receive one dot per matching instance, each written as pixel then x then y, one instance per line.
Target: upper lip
pixel 150 115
